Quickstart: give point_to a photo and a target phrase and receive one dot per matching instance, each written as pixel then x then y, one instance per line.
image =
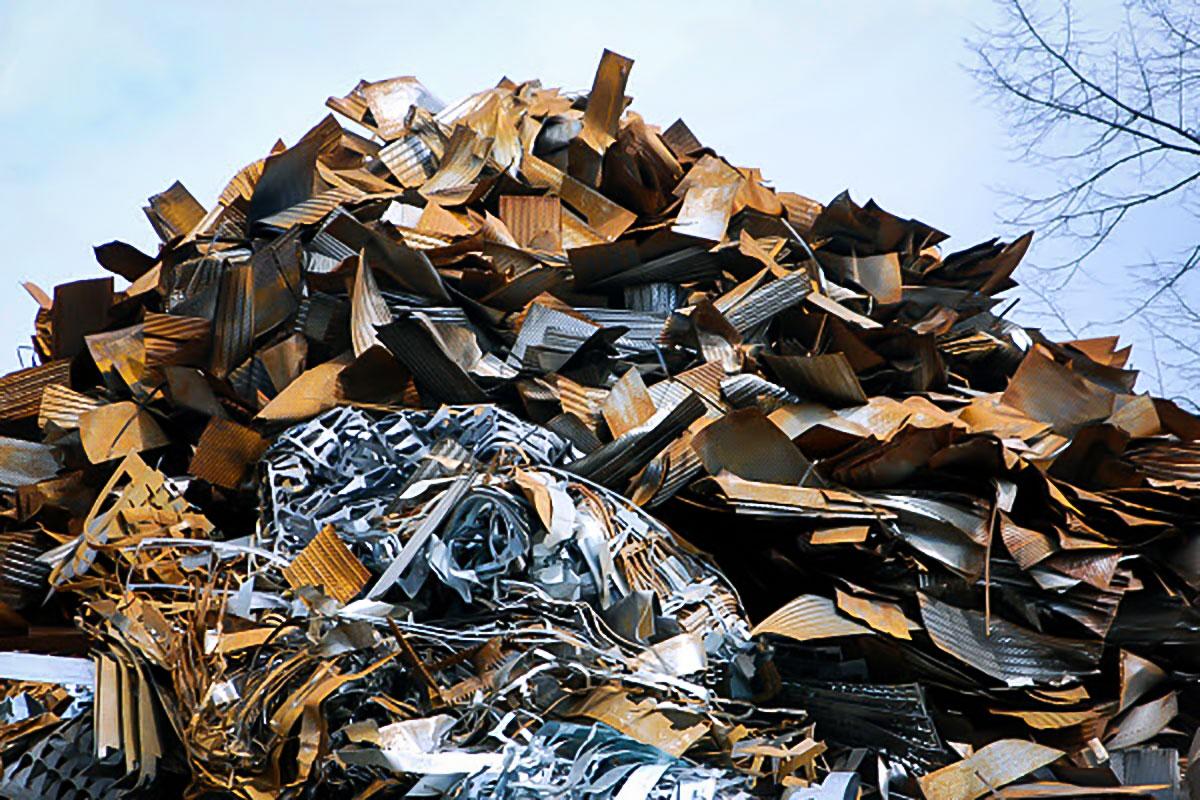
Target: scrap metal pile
pixel 519 448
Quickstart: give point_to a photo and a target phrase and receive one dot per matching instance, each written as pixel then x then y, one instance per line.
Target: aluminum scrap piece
pixel 597 761
pixel 344 467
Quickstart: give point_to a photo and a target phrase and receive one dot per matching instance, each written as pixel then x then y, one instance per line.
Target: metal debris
pixel 517 447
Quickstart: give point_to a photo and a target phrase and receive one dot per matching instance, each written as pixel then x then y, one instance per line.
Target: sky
pixel 103 104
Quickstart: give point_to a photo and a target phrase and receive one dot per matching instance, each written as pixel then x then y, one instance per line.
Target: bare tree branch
pixel 1114 117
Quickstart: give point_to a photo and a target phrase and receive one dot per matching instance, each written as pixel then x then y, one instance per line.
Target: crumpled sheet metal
pixel 386 474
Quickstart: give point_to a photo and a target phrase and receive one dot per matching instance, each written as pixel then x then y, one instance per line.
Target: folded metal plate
pixel 327 562
pixel 416 344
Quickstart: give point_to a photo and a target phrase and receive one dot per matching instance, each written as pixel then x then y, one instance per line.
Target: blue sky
pixel 104 104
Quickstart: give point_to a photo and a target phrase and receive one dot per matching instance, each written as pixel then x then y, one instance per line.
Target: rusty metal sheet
pixel 850 534
pixel 62 407
pixel 1049 392
pixel 881 615
pixel 389 102
pixel 878 275
pixel 233 323
pixel 995 765
pixel 23 463
pixel 535 222
pixel 828 378
pixel 174 212
pixel 327 562
pixel 170 339
pixel 226 453
pixel 708 192
pixel 606 101
pixel 115 430
pixel 628 404
pixel 21 391
pixel 747 444
pixel 810 617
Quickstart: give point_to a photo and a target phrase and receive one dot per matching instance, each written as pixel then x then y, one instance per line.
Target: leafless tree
pixel 1113 115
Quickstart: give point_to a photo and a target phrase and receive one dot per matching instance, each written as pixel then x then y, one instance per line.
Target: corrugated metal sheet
pixel 21 391
pixel 367 309
pixel 659 298
pixel 465 158
pixel 453 316
pixel 689 264
pixel 326 561
pixel 415 343
pixel 828 378
pixel 173 339
pixel 643 331
pixel 1005 651
pixel 581 401
pixel 765 302
pixel 63 406
pixel 251 381
pixel 226 453
pixel 680 139
pixel 745 390
pixel 22 575
pixel 326 244
pixel 233 325
pixel 421 241
pixel 318 264
pixel 574 430
pixel 410 159
pixel 277 280
pixel 528 347
pixel 667 393
pixel 323 318
pixel 809 617
pixel 242 184
pixel 534 221
pixel 353 105
pixel 706 380
pixel 620 459
pixel 313 209
pixel 174 212
pixel 801 211
pixel 1167 461
pixel 683 466
pixel 892 718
